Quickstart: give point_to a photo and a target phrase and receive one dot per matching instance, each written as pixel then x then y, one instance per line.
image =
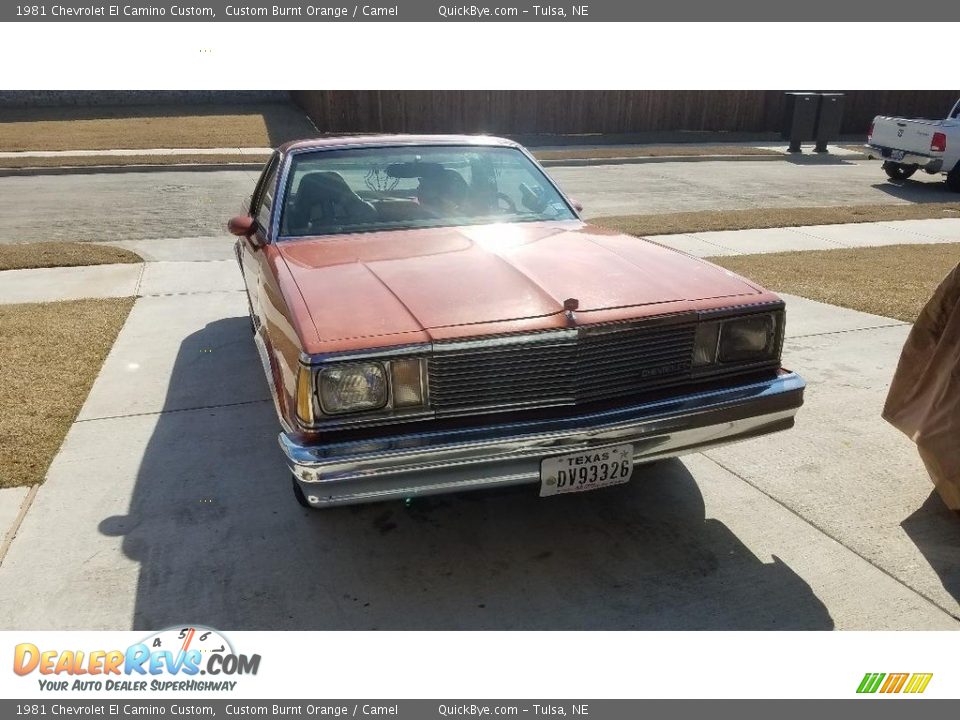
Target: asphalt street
pixel 168 204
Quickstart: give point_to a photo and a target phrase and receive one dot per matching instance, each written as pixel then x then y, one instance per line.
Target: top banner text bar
pixel 857 11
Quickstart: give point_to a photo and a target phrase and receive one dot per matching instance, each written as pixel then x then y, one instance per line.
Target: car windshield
pixel 388 188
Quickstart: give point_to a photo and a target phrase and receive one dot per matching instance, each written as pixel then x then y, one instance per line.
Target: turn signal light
pixel 305 395
pixel 939 142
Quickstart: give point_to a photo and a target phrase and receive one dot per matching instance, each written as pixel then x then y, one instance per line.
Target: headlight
pixel 390 386
pixel 351 388
pixel 744 339
pixel 752 338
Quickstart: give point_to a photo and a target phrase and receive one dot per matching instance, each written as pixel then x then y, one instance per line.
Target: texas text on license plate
pixel 586 470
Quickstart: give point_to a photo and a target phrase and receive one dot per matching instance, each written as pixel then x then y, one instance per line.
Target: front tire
pixel 298 493
pixel 898 171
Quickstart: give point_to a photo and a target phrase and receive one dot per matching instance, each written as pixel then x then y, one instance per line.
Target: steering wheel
pixel 511 205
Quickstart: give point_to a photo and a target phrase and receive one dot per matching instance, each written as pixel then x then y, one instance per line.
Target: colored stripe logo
pixel 913 683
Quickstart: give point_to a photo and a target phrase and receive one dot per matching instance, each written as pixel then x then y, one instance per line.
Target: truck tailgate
pixel 913 136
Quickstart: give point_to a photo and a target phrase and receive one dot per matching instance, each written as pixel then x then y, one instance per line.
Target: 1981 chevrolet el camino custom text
pixel 433 316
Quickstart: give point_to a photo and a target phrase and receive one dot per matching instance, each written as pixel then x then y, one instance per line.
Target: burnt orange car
pixel 433 316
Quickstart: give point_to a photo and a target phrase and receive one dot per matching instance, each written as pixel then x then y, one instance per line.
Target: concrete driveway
pixel 164 204
pixel 169 503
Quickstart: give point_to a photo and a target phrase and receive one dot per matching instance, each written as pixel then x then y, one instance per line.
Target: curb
pixel 799 158
pixel 562 162
pixel 98 169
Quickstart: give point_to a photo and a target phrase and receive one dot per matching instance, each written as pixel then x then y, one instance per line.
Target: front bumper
pixel 428 463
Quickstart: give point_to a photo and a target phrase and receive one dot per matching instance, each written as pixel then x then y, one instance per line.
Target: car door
pixel 251 248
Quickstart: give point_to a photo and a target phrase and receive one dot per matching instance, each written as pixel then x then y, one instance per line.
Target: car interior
pixel 323 201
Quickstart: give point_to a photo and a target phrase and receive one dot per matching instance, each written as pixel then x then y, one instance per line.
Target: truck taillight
pixel 939 143
pixel 870 132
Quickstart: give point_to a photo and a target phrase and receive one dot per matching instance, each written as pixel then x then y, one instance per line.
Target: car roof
pixel 334 141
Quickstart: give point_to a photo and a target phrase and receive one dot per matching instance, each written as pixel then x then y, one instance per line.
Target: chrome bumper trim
pixel 412 464
pixel 929 163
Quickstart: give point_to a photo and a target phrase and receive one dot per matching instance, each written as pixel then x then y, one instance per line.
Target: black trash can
pixel 799 118
pixel 829 120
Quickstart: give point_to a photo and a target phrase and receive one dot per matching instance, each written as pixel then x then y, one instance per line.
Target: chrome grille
pixel 568 367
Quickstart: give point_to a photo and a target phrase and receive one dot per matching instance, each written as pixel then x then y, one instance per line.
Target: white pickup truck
pixel 906 146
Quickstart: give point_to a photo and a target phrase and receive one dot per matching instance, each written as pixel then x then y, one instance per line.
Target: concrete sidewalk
pixel 177 266
pixel 777 148
pixel 710 151
pixel 814 237
pixel 775 152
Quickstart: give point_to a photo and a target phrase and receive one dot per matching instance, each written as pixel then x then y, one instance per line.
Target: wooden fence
pixel 592 111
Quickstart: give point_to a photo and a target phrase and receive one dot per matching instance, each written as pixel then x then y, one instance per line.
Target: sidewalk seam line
pixel 889 225
pixel 25 506
pixel 840 332
pixel 798 229
pixel 696 236
pixel 143 267
pixel 175 410
pixel 822 531
pixel 191 292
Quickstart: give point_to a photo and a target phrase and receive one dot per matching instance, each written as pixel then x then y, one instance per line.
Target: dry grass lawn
pixel 895 281
pixel 143 127
pixel 127 160
pixel 650 151
pixel 709 220
pixel 51 354
pixel 62 254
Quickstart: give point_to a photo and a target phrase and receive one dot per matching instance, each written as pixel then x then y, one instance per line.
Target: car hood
pixel 385 283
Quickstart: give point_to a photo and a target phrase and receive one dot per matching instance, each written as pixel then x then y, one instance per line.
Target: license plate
pixel 586 470
pixel 897 154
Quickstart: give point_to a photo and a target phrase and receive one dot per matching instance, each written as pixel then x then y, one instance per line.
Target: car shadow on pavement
pixel 935 530
pixel 928 190
pixel 221 542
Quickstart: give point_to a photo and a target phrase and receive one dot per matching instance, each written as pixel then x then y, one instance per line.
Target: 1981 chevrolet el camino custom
pixel 433 316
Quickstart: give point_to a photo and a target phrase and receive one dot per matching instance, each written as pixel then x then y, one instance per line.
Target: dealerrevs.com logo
pixel 177 659
pixel 893 683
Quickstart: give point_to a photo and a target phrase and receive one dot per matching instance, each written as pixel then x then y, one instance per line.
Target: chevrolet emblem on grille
pixel 569 306
pixel 660 370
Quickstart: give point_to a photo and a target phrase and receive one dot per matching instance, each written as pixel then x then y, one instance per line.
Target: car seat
pixel 325 200
pixel 444 191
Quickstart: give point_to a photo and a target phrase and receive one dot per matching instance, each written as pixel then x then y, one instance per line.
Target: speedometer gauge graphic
pixel 183 639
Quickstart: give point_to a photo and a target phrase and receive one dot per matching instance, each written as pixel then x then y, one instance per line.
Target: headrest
pixel 326 185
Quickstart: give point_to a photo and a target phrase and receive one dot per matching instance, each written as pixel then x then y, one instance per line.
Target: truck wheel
pixel 898 171
pixel 953 179
pixel 298 493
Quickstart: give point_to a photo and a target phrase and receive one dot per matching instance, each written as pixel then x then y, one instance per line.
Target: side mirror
pixel 577 205
pixel 242 225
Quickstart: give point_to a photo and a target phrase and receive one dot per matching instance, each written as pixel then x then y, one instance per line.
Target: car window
pixel 364 189
pixel 266 190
